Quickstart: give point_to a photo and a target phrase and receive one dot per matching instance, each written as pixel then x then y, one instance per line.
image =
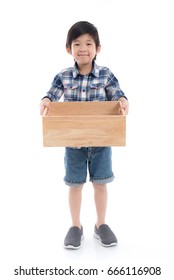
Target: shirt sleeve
pixel 56 90
pixel 113 90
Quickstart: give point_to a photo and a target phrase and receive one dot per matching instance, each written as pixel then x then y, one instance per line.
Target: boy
pixel 86 81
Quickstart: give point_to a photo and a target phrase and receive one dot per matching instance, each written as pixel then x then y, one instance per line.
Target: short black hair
pixel 81 28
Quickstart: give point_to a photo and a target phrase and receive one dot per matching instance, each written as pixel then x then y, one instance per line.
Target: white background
pixel 136 38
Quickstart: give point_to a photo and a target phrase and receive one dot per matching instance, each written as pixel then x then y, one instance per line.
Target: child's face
pixel 83 49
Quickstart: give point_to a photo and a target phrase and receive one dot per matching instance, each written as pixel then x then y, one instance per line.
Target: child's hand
pixel 44 105
pixel 125 104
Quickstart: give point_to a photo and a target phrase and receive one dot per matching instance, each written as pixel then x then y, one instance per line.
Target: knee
pixel 99 187
pixel 76 188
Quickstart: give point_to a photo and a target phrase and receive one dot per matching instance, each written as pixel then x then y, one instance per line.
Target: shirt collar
pixel 94 72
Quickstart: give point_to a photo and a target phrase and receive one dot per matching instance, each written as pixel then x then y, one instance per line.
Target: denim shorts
pixel 97 161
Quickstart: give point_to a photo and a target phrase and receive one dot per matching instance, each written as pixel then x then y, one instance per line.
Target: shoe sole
pixel 71 247
pixel 96 236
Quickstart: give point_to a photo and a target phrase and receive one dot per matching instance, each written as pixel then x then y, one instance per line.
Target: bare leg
pixel 75 199
pixel 100 198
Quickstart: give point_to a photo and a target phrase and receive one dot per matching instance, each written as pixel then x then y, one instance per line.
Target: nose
pixel 82 48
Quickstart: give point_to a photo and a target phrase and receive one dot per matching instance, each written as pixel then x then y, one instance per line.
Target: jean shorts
pixel 97 161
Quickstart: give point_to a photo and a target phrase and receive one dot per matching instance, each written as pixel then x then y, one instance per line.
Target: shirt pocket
pixel 97 92
pixel 70 92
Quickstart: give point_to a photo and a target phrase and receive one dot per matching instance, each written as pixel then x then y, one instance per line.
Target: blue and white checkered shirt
pixel 99 85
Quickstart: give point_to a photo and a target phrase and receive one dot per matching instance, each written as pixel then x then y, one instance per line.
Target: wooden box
pixel 84 124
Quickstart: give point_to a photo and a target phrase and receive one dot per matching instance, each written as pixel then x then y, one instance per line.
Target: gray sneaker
pixel 73 238
pixel 105 235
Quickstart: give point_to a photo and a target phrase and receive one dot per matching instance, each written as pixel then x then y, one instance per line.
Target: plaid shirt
pixel 99 85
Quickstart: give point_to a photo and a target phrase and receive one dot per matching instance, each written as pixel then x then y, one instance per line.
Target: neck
pixel 85 69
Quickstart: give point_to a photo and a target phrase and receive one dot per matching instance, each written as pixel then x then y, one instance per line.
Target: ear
pixel 98 49
pixel 68 50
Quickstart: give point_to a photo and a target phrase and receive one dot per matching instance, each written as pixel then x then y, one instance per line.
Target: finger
pixel 45 111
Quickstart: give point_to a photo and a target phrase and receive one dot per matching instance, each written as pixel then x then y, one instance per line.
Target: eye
pixel 76 44
pixel 91 44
